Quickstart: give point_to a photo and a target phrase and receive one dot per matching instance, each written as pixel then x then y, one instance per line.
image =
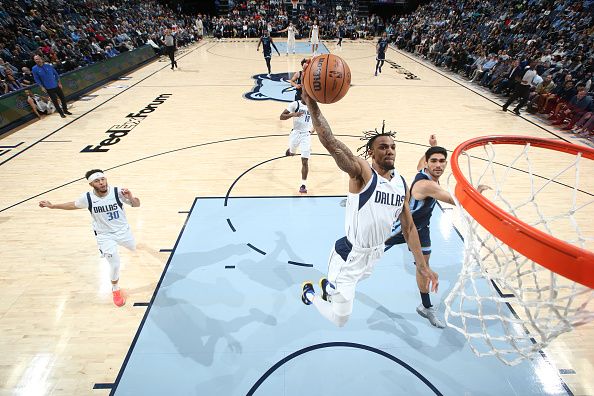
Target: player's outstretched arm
pixel 411 235
pixel 344 157
pixel 259 42
pixel 64 206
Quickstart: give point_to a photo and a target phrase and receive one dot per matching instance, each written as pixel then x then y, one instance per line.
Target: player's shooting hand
pixel 433 140
pixel 45 204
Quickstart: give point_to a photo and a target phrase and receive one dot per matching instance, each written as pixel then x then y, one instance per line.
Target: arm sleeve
pixel 81 202
pixel 292 107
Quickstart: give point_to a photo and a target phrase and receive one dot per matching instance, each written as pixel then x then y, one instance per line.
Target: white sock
pixel 115 287
pixel 303 182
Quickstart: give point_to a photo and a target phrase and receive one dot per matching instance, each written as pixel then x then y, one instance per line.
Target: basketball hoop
pixel 294 2
pixel 521 286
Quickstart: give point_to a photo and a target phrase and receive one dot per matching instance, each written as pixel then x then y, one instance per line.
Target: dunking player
pixel 291 31
pixel 380 48
pixel 377 197
pixel 110 225
pixel 297 80
pixel 267 42
pixel 425 191
pixel 314 37
pixel 300 136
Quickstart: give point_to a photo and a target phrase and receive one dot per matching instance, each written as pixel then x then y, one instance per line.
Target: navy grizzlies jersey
pixel 421 209
pixel 371 213
pixel 382 46
pixel 266 41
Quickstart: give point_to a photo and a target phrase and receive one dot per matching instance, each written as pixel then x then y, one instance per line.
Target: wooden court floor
pixel 59 332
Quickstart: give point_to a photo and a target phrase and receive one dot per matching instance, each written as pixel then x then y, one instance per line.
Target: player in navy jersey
pixel 267 45
pixel 425 191
pixel 297 80
pixel 380 48
pixel 377 197
pixel 110 225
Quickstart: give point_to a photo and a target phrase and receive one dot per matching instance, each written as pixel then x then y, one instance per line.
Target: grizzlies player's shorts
pixel 381 56
pixel 424 237
pixel 346 267
pixel 268 54
pixel 301 139
pixel 108 242
pixel 315 40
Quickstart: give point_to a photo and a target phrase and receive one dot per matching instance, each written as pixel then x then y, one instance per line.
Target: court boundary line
pixel 150 304
pixel 248 138
pixel 348 345
pixel 439 72
pixel 35 143
pixel 272 369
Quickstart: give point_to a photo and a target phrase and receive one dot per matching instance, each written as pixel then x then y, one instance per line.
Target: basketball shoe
pixel 430 314
pixel 324 285
pixel 307 287
pixel 303 189
pixel 118 299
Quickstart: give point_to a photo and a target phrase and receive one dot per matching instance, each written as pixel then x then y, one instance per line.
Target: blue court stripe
pixel 229 266
pixel 231 225
pixel 256 249
pixel 299 264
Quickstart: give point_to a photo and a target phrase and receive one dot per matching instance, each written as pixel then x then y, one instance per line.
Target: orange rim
pixel 565 259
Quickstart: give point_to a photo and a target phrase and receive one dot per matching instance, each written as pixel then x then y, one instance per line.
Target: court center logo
pixel 276 87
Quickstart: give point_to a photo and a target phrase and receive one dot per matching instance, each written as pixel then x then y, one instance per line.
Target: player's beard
pixel 99 191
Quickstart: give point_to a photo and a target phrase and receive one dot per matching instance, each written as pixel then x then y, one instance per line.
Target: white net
pixel 505 304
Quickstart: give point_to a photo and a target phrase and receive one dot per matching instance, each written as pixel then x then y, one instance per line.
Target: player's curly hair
pixel 370 136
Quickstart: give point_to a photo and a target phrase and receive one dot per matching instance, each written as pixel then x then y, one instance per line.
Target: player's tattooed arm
pixel 343 156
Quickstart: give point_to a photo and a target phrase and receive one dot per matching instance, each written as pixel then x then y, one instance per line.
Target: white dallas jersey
pixel 107 212
pixel 314 32
pixel 302 123
pixel 291 33
pixel 371 213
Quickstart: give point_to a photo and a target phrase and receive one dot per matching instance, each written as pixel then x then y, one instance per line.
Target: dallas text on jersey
pixel 388 199
pixel 105 208
pixel 116 132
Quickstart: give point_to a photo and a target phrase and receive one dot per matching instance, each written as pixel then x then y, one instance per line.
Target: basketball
pixel 327 78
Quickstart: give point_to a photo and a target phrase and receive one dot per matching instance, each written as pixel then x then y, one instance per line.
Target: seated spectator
pixel 577 107
pixel 538 97
pixel 27 78
pixel 111 52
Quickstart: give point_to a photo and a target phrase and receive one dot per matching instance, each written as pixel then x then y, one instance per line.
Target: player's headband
pixel 95 176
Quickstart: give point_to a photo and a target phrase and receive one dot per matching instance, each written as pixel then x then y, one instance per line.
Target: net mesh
pixel 505 304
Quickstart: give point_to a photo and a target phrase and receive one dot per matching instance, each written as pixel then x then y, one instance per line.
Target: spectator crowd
pixel 76 33
pixel 538 52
